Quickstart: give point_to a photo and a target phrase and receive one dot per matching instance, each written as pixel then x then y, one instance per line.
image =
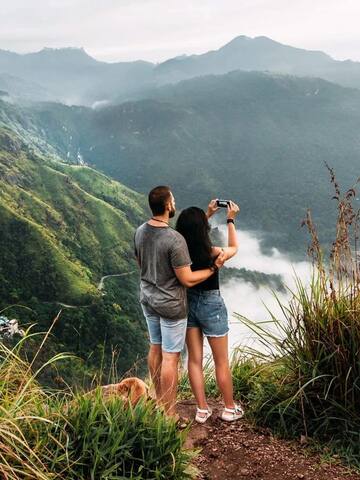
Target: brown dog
pixel 131 389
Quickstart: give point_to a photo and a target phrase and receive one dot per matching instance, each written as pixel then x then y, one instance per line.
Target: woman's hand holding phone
pixel 232 210
pixel 212 208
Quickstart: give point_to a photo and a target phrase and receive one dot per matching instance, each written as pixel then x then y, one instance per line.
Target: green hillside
pixel 260 139
pixel 63 227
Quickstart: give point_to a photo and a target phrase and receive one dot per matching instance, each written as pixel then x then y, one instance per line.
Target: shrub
pixel 26 414
pixel 313 387
pixel 109 439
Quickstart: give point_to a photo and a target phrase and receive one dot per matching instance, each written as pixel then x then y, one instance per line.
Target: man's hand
pixel 212 208
pixel 232 210
pixel 220 259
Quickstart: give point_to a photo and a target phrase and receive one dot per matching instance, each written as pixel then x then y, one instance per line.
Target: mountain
pixel 18 89
pixel 258 138
pixel 62 228
pixel 261 54
pixel 71 76
pixel 245 53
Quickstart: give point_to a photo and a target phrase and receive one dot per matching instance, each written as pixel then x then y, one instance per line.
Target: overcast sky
pixel 154 30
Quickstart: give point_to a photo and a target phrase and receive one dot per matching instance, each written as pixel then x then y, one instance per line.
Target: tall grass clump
pixel 310 383
pixel 109 439
pixel 47 435
pixel 27 415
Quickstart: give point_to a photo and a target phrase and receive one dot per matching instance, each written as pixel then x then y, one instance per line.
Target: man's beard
pixel 172 213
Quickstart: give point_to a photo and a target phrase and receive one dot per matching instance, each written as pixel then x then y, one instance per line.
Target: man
pixel 165 274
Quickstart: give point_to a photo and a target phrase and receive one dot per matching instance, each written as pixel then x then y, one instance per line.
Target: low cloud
pixel 245 299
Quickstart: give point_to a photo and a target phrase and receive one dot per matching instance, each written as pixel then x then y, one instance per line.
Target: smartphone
pixel 222 203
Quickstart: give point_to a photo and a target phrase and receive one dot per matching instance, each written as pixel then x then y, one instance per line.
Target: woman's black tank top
pixel 211 283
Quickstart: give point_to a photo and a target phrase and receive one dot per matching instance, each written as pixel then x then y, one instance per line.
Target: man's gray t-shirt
pixel 160 250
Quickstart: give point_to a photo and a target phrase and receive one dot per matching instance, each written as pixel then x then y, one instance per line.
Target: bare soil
pixel 240 451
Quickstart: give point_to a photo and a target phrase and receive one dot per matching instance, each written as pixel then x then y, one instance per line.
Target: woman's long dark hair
pixel 194 227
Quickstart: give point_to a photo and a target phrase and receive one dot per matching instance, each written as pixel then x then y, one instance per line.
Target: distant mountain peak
pixel 79 51
pixel 264 38
pixel 240 39
pixel 261 43
pixel 244 41
pixel 65 54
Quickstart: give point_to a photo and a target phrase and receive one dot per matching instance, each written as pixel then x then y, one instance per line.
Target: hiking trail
pixel 241 451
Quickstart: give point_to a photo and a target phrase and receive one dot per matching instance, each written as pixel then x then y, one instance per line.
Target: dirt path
pixel 239 451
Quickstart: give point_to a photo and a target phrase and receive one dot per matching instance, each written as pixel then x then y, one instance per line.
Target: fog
pixel 245 299
pixel 155 30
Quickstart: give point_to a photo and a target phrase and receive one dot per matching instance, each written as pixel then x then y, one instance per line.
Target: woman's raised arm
pixel 233 244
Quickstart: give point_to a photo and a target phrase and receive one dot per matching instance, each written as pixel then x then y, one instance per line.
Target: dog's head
pixel 131 389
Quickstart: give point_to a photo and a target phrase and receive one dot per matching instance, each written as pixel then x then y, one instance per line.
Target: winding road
pixel 101 283
pixel 99 287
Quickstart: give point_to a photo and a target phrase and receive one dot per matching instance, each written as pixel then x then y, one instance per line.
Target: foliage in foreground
pixel 111 440
pixel 46 435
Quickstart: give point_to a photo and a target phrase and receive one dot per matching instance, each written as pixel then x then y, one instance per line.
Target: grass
pixel 25 410
pixel 310 385
pixel 111 440
pixel 51 435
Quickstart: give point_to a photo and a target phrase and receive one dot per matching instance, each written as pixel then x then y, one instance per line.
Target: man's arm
pixel 189 279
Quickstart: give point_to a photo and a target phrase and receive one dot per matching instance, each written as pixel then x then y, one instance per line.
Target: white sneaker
pixel 205 414
pixel 232 414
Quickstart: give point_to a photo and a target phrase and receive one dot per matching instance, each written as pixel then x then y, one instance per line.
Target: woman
pixel 207 311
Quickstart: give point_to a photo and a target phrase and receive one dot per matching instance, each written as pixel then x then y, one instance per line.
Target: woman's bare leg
pixel 219 348
pixel 194 342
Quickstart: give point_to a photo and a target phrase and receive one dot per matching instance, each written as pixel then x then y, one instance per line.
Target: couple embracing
pixel 181 300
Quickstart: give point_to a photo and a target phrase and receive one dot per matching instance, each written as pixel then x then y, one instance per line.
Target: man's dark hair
pixel 158 197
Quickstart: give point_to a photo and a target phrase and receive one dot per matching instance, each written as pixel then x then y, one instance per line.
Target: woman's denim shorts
pixel 207 311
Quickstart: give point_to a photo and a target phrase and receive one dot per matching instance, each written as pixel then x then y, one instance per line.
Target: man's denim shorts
pixel 170 334
pixel 207 311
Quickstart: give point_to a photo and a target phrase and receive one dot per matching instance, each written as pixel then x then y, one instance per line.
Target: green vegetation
pixel 111 440
pixel 50 435
pixel 268 135
pixel 62 228
pixel 308 382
